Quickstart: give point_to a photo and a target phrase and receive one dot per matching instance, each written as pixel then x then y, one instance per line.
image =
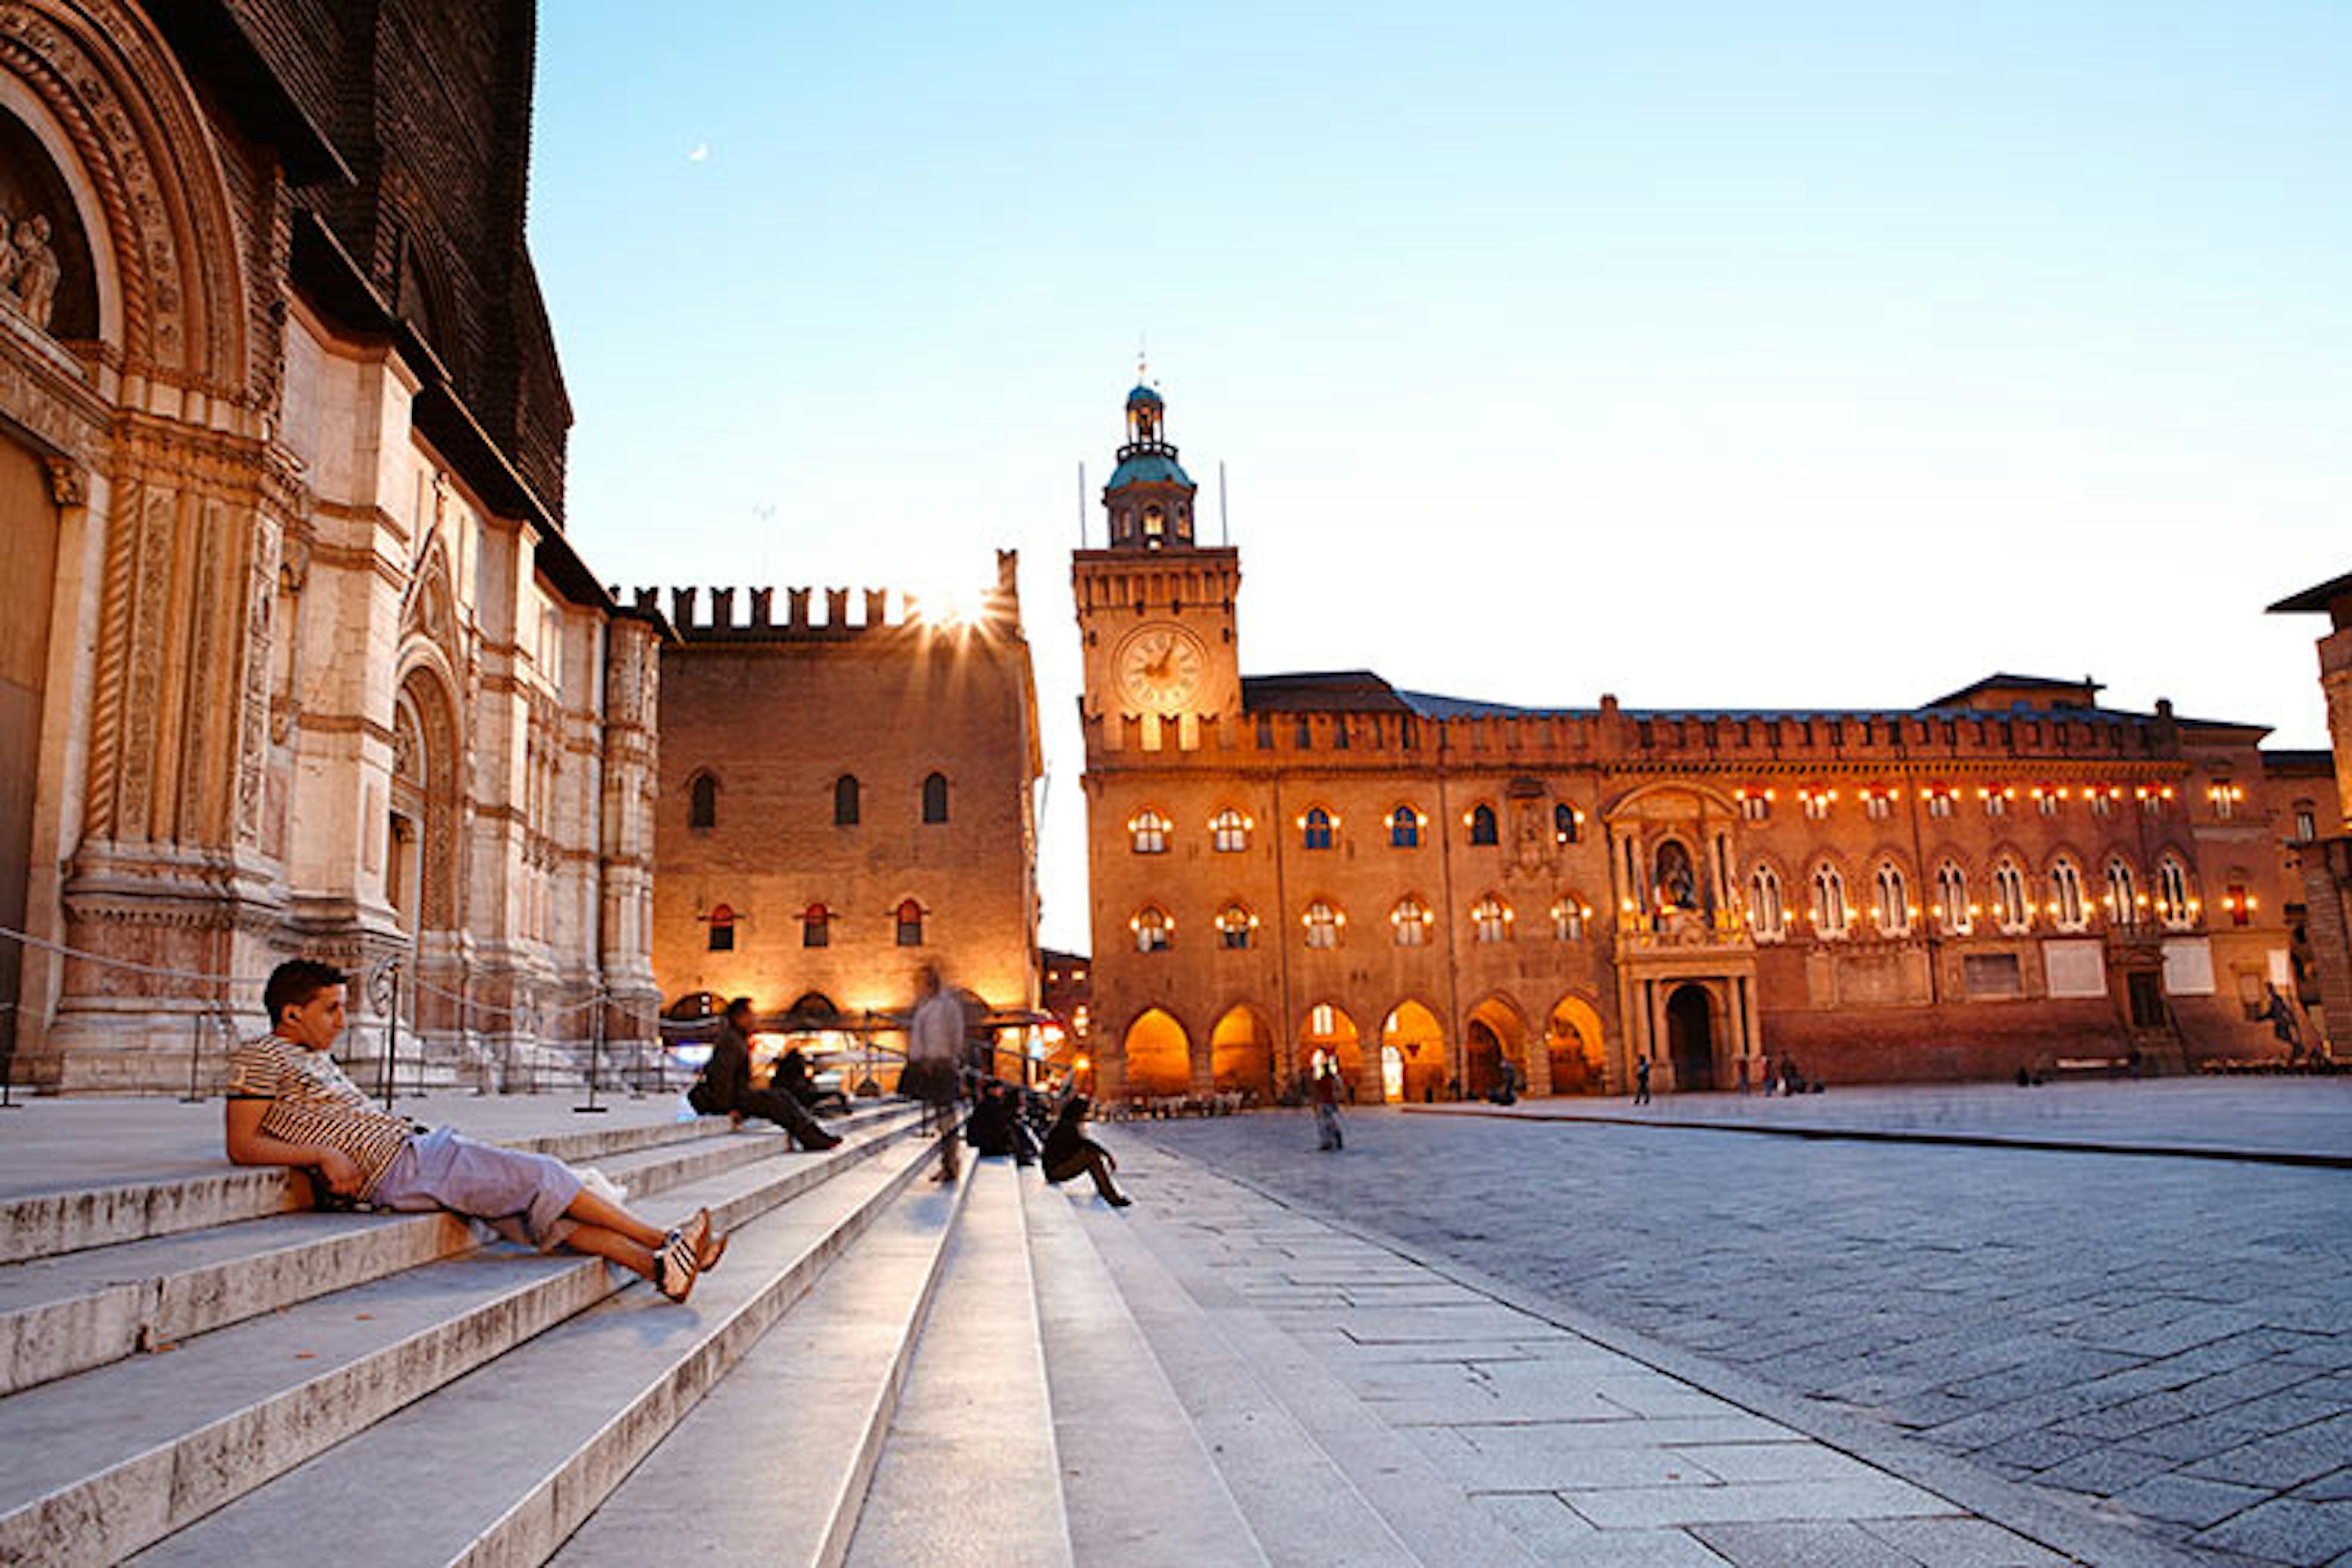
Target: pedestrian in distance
pixel 1328 1135
pixel 1642 1082
pixel 291 1104
pixel 934 1072
pixel 724 1086
pixel 1068 1153
pixel 2281 1017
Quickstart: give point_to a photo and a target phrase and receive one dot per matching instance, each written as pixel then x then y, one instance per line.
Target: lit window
pixel 1490 918
pixel 1150 832
pixel 1565 822
pixel 2124 899
pixel 1939 803
pixel 2175 906
pixel 1766 912
pixel 702 802
pixel 2069 911
pixel 2102 800
pixel 1953 911
pixel 1567 920
pixel 1878 805
pixel 844 801
pixel 816 926
pixel 1081 1019
pixel 1229 832
pixel 1756 805
pixel 1235 927
pixel 1317 826
pixel 1482 826
pixel 1404 829
pixel 1411 922
pixel 2011 910
pixel 1153 931
pixel 1832 918
pixel 1890 900
pixel 1996 801
pixel 2226 798
pixel 1322 1023
pixel 723 929
pixel 1323 925
pixel 1817 803
pixel 2045 801
pixel 2306 822
pixel 2239 899
pixel 911 924
pixel 935 798
pixel 2152 798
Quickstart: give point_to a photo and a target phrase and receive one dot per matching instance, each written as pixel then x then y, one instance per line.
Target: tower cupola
pixel 1150 497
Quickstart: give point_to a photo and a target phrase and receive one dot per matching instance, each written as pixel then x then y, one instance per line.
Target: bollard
pixel 595 1049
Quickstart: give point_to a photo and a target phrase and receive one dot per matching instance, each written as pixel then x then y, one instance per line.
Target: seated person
pixel 289 1104
pixel 793 1078
pixel 1068 1152
pixel 725 1087
pixel 995 1126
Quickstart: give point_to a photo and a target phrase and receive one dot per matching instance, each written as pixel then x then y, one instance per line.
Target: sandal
pixel 673 1268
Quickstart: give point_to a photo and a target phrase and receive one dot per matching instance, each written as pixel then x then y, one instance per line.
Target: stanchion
pixel 8 1062
pixel 383 990
pixel 595 1049
pixel 196 1056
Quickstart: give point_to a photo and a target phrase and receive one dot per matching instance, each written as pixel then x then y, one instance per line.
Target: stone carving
pixel 68 481
pixel 28 267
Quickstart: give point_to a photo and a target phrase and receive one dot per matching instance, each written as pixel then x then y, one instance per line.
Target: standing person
pixel 725 1084
pixel 289 1104
pixel 1328 1135
pixel 1642 1082
pixel 1068 1152
pixel 935 1032
pixel 2282 1022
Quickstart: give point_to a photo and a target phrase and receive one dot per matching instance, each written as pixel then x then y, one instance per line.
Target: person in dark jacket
pixel 793 1078
pixel 1069 1151
pixel 725 1086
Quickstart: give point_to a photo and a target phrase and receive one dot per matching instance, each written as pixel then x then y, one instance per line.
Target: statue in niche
pixel 1677 881
pixel 28 267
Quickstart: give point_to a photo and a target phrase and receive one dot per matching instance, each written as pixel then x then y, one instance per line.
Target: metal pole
pixel 595 1049
pixel 195 1054
pixel 384 989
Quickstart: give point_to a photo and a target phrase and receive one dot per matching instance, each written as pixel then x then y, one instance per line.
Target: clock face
pixel 1159 667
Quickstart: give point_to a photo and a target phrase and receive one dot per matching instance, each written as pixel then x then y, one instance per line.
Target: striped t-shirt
pixel 312 1103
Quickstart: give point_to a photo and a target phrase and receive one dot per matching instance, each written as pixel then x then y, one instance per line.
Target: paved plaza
pixel 2107 1336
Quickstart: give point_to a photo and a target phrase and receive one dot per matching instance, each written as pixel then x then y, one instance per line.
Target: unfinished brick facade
pixel 2013 876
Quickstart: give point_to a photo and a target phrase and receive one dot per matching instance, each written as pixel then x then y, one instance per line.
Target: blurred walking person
pixel 934 1074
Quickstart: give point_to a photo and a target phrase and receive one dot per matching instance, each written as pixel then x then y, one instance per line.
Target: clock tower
pixel 1155 608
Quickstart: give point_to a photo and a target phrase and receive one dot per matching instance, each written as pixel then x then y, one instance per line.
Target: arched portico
pixel 1573 1054
pixel 1155 1057
pixel 1494 1033
pixel 1327 1030
pixel 1412 1032
pixel 1241 1054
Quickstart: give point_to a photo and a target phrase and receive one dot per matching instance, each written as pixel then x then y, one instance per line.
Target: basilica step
pixel 772 1466
pixel 1138 1486
pixel 499 1467
pixel 969 1473
pixel 68 1313
pixel 109 1460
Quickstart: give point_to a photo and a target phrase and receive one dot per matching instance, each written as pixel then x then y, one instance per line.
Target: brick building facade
pixel 297 657
pixel 845 797
pixel 2009 876
pixel 2320 814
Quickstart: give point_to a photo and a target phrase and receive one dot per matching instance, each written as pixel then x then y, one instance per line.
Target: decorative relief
pixel 254 737
pixel 28 267
pixel 149 605
pixel 68 481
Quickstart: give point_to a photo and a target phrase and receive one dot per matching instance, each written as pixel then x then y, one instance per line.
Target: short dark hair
pixel 294 982
pixel 741 1005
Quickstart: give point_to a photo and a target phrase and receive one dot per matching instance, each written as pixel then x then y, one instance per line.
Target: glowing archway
pixel 1241 1054
pixel 1327 1031
pixel 1158 1057
pixel 1495 1033
pixel 1412 1031
pixel 1572 1043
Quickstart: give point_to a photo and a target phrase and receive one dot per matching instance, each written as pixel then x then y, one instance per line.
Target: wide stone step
pixel 969 1473
pixel 1138 1486
pixel 501 1465
pixel 81 1309
pixel 109 1460
pixel 796 1427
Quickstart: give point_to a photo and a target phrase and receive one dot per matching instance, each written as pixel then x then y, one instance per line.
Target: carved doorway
pixel 1690 1037
pixel 28 557
pixel 421 873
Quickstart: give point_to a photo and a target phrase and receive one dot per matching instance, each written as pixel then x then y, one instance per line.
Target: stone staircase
pixel 886 1370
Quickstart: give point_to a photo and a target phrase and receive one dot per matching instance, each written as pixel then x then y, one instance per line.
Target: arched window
pixel 1229 832
pixel 844 801
pixel 702 802
pixel 1410 921
pixel 1568 918
pixel 723 929
pixel 1149 832
pixel 816 926
pixel 2011 910
pixel 935 798
pixel 2176 905
pixel 1317 826
pixel 1565 822
pixel 1481 824
pixel 1323 922
pixel 1404 829
pixel 1890 900
pixel 2123 899
pixel 911 924
pixel 1831 916
pixel 1236 927
pixel 1766 912
pixel 2068 908
pixel 1153 930
pixel 1953 911
pixel 1490 919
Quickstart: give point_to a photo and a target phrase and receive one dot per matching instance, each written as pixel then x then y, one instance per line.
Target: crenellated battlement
pixel 741 613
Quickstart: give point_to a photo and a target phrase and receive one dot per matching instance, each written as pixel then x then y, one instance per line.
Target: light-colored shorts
pixel 522 1196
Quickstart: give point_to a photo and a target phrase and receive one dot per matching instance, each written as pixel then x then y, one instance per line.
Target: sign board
pixel 2188 967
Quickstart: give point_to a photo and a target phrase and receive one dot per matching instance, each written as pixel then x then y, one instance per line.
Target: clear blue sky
pixel 1805 355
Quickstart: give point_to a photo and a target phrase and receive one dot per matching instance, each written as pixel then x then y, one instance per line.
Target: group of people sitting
pixel 1007 1118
